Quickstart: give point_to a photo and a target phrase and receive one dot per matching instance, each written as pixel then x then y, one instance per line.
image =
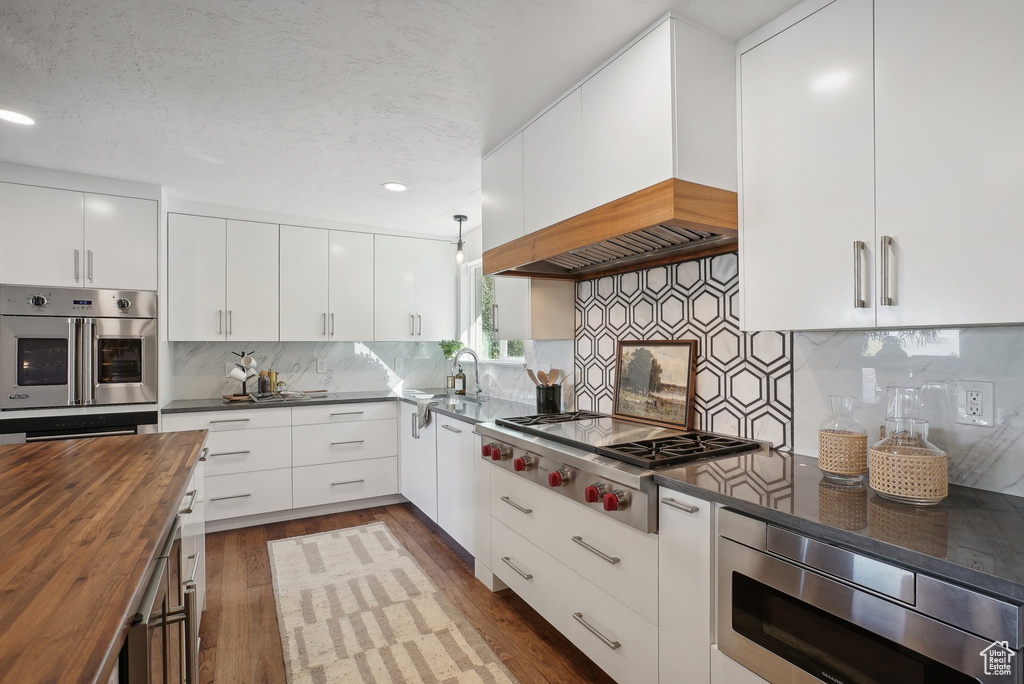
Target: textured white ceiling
pixel 306 107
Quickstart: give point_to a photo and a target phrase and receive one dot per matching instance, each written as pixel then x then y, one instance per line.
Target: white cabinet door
pixel 418 461
pixel 304 284
pixel 627 121
pixel 394 288
pixel 684 593
pixel 511 308
pixel 121 238
pixel 807 190
pixel 195 278
pixel 351 293
pixel 41 236
pixel 501 178
pixel 435 290
pixel 949 145
pixel 456 491
pixel 553 164
pixel 252 281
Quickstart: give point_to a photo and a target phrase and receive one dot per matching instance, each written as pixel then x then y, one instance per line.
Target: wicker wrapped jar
pixel 843 444
pixel 906 467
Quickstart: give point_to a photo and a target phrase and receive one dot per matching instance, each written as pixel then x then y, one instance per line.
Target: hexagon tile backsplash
pixel 744 380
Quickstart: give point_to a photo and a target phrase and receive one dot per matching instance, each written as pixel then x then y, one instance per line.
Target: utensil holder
pixel 549 398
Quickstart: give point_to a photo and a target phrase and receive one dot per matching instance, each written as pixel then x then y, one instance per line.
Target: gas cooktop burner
pixel 550 418
pixel 681 448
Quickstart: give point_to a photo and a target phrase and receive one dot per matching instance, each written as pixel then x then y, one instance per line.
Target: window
pixel 479 335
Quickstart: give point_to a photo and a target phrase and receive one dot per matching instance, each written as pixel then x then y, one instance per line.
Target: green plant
pixel 450 348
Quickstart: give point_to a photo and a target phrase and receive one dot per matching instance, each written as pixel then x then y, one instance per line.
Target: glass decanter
pixel 906 467
pixel 843 444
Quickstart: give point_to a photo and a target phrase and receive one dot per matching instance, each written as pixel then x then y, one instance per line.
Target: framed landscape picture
pixel 654 381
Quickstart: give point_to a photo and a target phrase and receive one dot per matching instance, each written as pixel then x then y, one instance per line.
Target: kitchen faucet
pixel 476 366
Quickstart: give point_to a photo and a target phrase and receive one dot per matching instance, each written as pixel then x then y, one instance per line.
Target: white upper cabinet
pixel 196 274
pixel 121 238
pixel 807 198
pixel 252 281
pixel 351 286
pixel 304 283
pixel 502 190
pixel 533 309
pixel 949 147
pixel 627 121
pixel 553 164
pixel 394 288
pixel 435 290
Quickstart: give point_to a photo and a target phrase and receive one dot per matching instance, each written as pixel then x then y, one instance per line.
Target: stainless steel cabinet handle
pixel 509 563
pixel 347 413
pixel 204 452
pixel 231 321
pixel 195 566
pixel 886 248
pixel 231 453
pixel 419 319
pixel 332 324
pixel 513 504
pixel 344 482
pixel 325 323
pixel 578 617
pixel 412 324
pixel 191 502
pixel 600 554
pixel 415 428
pixel 88 254
pixel 220 321
pixel 233 496
pixel 680 505
pixel 187 614
pixel 494 319
pixel 349 441
pixel 76 265
pixel 229 420
pixel 858 293
pixel 449 428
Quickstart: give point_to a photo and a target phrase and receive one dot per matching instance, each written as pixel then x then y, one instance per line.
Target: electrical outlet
pixel 399 364
pixel 974 403
pixel 321 365
pixel 228 367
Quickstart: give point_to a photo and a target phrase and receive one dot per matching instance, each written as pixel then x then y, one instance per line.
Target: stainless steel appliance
pixel 76 347
pixel 603 462
pixel 794 609
pixel 18 430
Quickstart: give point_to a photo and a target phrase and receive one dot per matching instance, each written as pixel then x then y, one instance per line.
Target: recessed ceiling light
pixel 395 187
pixel 15 117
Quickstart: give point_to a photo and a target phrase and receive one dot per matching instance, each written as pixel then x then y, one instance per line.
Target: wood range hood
pixel 669 222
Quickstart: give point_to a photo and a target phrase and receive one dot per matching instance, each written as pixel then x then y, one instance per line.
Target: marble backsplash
pixel 509 380
pixel 863 364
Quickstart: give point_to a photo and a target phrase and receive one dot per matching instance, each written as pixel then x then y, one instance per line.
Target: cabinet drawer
pixel 354 441
pixel 619 560
pixel 344 413
pixel 246 451
pixel 232 496
pixel 220 421
pixel 321 484
pixel 558 593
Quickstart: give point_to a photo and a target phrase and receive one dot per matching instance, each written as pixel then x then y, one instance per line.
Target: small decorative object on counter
pixel 906 467
pixel 460 383
pixel 843 444
pixel 549 398
pixel 449 383
pixel 263 384
pixel 273 380
pixel 281 385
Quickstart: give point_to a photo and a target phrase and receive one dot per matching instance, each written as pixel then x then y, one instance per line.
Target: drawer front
pixel 333 482
pixel 247 451
pixel 353 441
pixel 617 558
pixel 220 421
pixel 558 593
pixel 344 413
pixel 232 496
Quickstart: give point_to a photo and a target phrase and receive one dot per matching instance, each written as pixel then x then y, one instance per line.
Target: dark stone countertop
pixel 466 410
pixel 974 536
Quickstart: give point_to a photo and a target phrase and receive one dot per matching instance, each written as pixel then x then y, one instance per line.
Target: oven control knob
pixel 594 492
pixel 559 478
pixel 616 501
pixel 123 304
pixel 524 463
pixel 486 450
pixel 37 300
pixel 500 453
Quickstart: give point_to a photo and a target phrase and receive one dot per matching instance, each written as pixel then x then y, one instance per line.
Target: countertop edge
pixel 243 405
pixel 912 559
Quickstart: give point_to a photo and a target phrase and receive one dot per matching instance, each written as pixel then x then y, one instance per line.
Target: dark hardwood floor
pixel 240 638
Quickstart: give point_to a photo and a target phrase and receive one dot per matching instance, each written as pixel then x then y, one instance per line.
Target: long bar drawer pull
pixel 513 504
pixel 229 420
pixel 344 482
pixel 349 441
pixel 347 413
pixel 204 453
pixel 600 554
pixel 232 453
pixel 680 505
pixel 578 617
pixel 233 496
pixel 509 563
pixel 191 502
pixel 449 428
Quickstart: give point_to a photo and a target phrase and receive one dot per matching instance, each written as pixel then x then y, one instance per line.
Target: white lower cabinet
pixel 418 461
pixel 725 670
pixel 456 456
pixel 684 587
pixel 349 481
pixel 233 496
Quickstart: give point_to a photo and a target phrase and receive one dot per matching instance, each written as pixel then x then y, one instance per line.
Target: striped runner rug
pixel 353 606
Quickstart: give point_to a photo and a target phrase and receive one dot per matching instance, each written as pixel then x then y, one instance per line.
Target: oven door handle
pixel 81 435
pixel 88 361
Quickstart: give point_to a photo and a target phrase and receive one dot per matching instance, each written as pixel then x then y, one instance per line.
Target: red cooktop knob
pixel 560 477
pixel 486 450
pixel 592 494
pixel 500 453
pixel 611 502
pixel 519 464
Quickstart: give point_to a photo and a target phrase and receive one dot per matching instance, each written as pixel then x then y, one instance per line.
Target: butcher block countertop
pixel 81 523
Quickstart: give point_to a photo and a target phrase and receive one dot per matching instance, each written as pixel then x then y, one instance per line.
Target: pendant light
pixel 460 255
